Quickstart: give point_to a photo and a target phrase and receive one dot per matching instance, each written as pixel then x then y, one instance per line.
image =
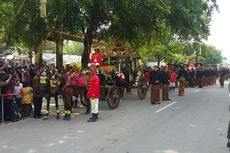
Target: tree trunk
pixel 88 39
pixel 37 49
pixel 158 60
pixel 30 55
pixel 59 53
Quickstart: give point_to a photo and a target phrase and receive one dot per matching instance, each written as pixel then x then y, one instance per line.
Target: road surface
pixel 194 123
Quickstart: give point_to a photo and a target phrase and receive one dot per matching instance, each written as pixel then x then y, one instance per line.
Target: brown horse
pixel 69 90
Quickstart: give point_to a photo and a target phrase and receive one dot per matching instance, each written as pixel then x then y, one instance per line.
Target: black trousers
pixel 37 106
pixel 200 82
pixel 191 82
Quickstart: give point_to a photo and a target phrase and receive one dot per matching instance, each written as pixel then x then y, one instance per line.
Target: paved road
pixel 195 123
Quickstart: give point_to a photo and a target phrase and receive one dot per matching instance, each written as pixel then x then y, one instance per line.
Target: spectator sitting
pixel 26 100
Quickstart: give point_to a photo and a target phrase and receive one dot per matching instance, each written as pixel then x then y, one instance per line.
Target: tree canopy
pixel 209 55
pixel 159 28
pixel 73 48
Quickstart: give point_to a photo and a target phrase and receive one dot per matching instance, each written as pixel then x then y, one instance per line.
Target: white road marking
pixel 197 91
pixel 167 106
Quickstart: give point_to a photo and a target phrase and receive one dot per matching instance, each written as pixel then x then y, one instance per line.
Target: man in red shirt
pixel 96 57
pixel 94 93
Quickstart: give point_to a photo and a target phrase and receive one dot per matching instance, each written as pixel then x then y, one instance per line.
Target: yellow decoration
pixel 43 79
pixel 58 111
pixel 46 112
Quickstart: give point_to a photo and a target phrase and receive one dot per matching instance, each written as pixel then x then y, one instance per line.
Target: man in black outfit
pixel 37 95
pixel 165 79
pixel 182 76
pixel 191 76
pixel 155 85
pixel 199 76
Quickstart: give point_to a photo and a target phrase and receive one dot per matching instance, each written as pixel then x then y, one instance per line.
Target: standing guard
pixel 37 95
pixel 199 77
pixel 94 93
pixel 182 75
pixel 54 82
pixel 155 85
pixel 205 79
pixel 191 76
pixel 165 79
pixel 44 87
pixel 222 75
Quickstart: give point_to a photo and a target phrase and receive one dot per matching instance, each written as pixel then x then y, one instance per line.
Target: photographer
pixel 2 82
pixel 5 79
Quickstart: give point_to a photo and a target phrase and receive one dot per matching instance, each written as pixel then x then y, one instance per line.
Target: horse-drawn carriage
pixel 108 88
pixel 119 72
pixel 112 84
pixel 128 72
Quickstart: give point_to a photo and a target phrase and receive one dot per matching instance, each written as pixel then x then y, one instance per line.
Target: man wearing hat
pixel 94 93
pixel 165 79
pixel 182 76
pixel 199 77
pixel 155 85
pixel 37 95
pixel 96 57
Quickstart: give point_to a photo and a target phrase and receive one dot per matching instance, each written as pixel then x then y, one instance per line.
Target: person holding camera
pixel 4 82
pixel 25 76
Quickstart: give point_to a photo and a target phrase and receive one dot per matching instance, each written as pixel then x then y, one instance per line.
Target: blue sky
pixel 220 28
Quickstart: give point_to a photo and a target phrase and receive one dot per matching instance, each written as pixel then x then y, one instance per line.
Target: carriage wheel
pixel 121 92
pixel 142 88
pixel 113 98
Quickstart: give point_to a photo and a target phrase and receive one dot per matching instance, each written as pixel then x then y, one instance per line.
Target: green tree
pixel 209 55
pixel 189 19
pixel 161 46
pixel 73 48
pixel 138 22
pixel 134 20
